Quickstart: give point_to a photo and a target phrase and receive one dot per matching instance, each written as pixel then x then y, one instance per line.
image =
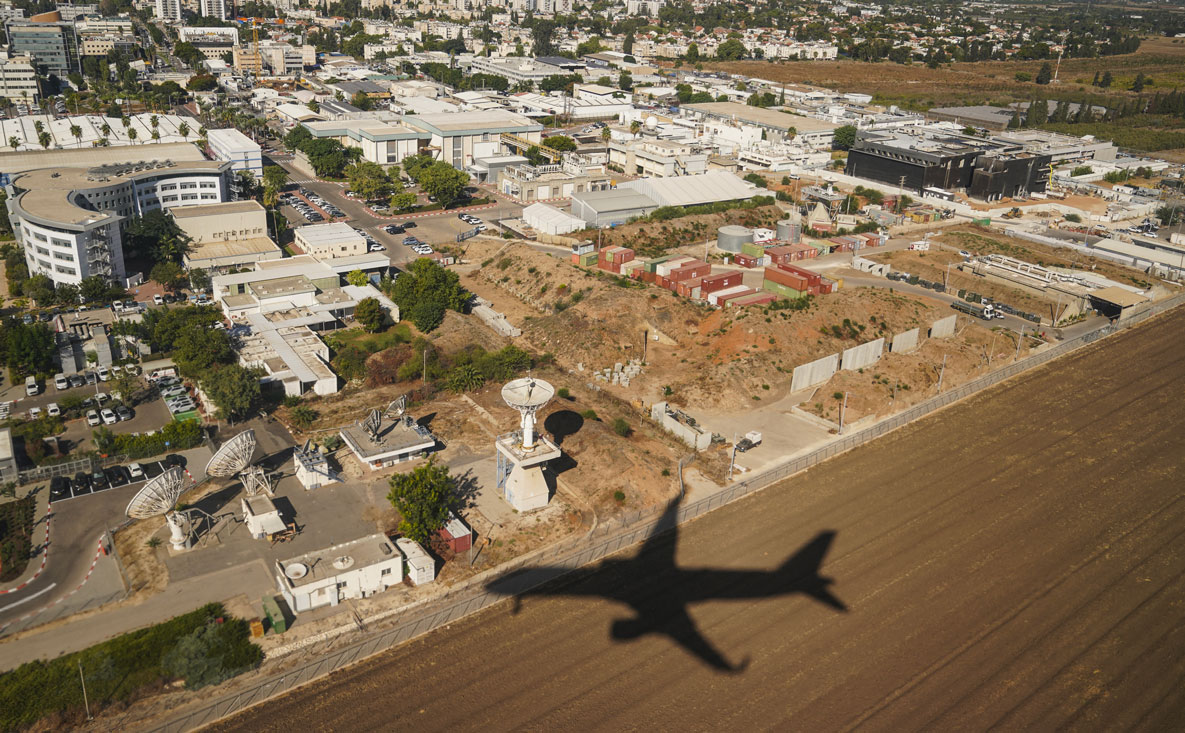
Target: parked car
pixel 109 417
pixel 77 380
pixel 59 488
pixel 91 378
pixel 124 413
pixel 80 484
pixel 104 373
pixel 53 410
pixel 99 481
pixel 158 299
pixel 135 471
pixel 61 381
pixel 34 413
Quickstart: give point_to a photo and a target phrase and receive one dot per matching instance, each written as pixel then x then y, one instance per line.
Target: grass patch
pixel 203 647
pixel 16 537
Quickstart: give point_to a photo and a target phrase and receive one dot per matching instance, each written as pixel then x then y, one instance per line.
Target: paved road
pixel 1012 562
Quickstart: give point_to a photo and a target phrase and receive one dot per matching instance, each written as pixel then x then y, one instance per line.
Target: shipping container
pixel 651 265
pixel 588 259
pixel 712 283
pixel 753 250
pixel 754 299
pixel 724 299
pixel 714 298
pixel 783 290
pixel 664 269
pixel 745 260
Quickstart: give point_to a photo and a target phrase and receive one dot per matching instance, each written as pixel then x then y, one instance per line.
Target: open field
pixel 984 82
pixel 1013 562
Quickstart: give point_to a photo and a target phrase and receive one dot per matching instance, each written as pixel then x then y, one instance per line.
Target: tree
pixel 370 313
pixel 361 101
pixel 368 180
pixel 1045 74
pixel 169 275
pixel 843 138
pixel 183 128
pixel 76 131
pixel 155 236
pixel 692 54
pixel 1105 82
pixel 14 142
pixel 562 143
pixel 606 134
pixel 357 278
pixel 234 389
pixel 423 499
pixel 27 347
pixel 94 289
pixel 403 201
pixel 199 279
pixel 731 50
pixel 1038 113
pixel 132 134
pixel 542 38
pixel 275 177
pixel 1140 82
pixel 202 83
pixel 444 182
pixel 197 350
pixel 625 82
pixel 635 127
pixel 426 315
pixel 45 139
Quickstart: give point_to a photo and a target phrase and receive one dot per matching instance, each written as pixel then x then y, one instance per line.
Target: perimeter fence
pixel 544 565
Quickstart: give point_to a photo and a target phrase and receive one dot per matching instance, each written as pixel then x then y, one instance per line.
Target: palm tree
pixel 106 130
pixel 45 139
pixel 183 128
pixel 127 121
pixel 154 121
pixel 156 135
pixel 76 131
pixel 635 127
pixel 14 142
pixel 39 126
pixel 132 134
pixel 606 134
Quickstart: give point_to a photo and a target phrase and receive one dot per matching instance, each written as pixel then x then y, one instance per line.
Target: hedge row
pixel 179 436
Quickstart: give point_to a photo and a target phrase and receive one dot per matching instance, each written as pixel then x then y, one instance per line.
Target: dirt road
pixel 1015 561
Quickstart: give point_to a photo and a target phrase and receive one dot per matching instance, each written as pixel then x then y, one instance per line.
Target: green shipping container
pixel 982 222
pixel 779 289
pixel 588 259
pixel 275 615
pixel 652 265
pixel 753 250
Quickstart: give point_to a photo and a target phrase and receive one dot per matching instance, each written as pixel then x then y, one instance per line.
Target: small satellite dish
pixel 343 562
pixel 396 409
pixel 296 570
pixel 158 496
pixel 372 424
pixel 234 455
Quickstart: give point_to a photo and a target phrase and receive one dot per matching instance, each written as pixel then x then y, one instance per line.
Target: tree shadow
pixel 466 487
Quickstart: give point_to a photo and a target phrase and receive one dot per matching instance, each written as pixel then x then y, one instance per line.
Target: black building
pixel 983 169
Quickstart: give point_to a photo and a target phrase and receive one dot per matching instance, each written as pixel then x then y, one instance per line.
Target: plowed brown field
pixel 1013 562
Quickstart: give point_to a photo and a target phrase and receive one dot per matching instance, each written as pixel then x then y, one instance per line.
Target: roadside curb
pixel 44 555
pixel 46 607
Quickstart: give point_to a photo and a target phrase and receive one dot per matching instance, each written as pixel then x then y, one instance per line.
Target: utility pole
pixel 85 702
pixel 843 409
pixel 1022 335
pixel 941 374
pixel 732 459
pixel 425 375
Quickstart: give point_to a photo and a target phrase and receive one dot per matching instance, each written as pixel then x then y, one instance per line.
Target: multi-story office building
pixel 53 45
pixel 243 153
pixel 18 79
pixel 69 220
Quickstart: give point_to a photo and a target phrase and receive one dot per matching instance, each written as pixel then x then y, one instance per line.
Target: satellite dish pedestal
pixel 522 454
pixel 178 526
pixel 159 496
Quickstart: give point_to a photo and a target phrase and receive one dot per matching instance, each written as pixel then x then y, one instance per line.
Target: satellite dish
pixel 234 455
pixel 396 408
pixel 527 395
pixel 158 496
pixel 373 423
pixel 343 562
pixel 296 570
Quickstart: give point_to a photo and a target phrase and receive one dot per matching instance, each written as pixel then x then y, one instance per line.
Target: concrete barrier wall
pixel 861 356
pixel 903 342
pixel 697 439
pixel 943 327
pixel 874 268
pixel 815 372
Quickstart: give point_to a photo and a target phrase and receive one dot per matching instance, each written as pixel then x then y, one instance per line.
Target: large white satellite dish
pixel 234 455
pixel 159 496
pixel 527 395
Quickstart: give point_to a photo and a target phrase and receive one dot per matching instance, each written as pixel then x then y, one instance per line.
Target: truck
pixel 1014 213
pixel 986 312
pixel 751 440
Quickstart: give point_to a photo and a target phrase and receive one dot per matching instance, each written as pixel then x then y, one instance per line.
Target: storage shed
pixel 550 220
pixel 356 569
pixel 421 568
pixel 458 537
pixel 611 208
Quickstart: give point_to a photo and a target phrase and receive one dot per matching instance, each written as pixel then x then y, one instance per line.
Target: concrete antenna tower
pixel 159 496
pixel 522 454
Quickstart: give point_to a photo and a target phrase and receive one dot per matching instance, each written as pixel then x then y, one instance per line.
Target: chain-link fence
pixel 609 537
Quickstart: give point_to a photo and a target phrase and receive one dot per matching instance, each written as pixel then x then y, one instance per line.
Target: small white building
pixel 421 568
pixel 243 153
pixel 327 241
pixel 261 516
pixel 550 220
pixel 356 569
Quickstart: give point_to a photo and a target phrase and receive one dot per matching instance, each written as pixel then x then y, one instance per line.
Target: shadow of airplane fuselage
pixel 659 592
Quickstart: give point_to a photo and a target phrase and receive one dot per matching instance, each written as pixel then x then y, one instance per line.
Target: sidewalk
pixel 40 539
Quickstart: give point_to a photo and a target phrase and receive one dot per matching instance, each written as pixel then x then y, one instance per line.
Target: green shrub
pixel 621 427
pixel 563 393
pixel 179 436
pixel 619 496
pixel 589 415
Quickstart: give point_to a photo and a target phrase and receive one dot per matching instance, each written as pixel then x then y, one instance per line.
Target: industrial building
pixel 550 220
pixel 953 163
pixel 226 235
pixel 356 569
pixel 97 130
pixel 658 158
pixel 69 220
pixel 382 142
pixel 243 153
pixel 528 183
pixel 458 138
pixel 613 207
pixel 328 241
pixel 707 188
pixel 391 442
pixel 808 130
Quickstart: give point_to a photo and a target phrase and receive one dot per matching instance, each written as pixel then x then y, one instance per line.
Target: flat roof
pixel 251 247
pixel 330 233
pixel 31 160
pixel 375 130
pixel 473 123
pixel 395 437
pixel 762 116
pixel 1119 296
pixel 232 140
pixel 229 207
pixel 5 444
pixel 319 564
pixel 283 286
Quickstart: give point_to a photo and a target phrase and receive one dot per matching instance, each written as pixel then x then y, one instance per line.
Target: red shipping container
pixel 789 279
pixel 609 266
pixel 756 299
pixel 695 269
pixel 745 260
pixel 724 299
pixel 712 283
pixel 649 277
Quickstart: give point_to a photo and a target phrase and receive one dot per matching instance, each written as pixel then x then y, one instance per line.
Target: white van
pixel 31 387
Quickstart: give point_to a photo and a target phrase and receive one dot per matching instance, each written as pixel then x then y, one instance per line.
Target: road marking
pixel 46 589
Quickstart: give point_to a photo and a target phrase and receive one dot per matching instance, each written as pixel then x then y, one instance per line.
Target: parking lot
pixel 112 477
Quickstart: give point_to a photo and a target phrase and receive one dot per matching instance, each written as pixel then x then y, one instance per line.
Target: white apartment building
pixel 213 9
pixel 18 79
pixel 169 10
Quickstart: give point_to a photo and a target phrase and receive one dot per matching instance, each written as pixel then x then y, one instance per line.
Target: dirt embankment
pixel 651 239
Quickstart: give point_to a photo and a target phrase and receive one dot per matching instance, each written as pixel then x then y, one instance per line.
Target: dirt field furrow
pixel 1012 562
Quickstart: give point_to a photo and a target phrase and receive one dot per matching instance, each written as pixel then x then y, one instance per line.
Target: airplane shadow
pixel 659 592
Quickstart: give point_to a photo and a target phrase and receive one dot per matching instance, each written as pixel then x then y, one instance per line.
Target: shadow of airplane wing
pixel 679 626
